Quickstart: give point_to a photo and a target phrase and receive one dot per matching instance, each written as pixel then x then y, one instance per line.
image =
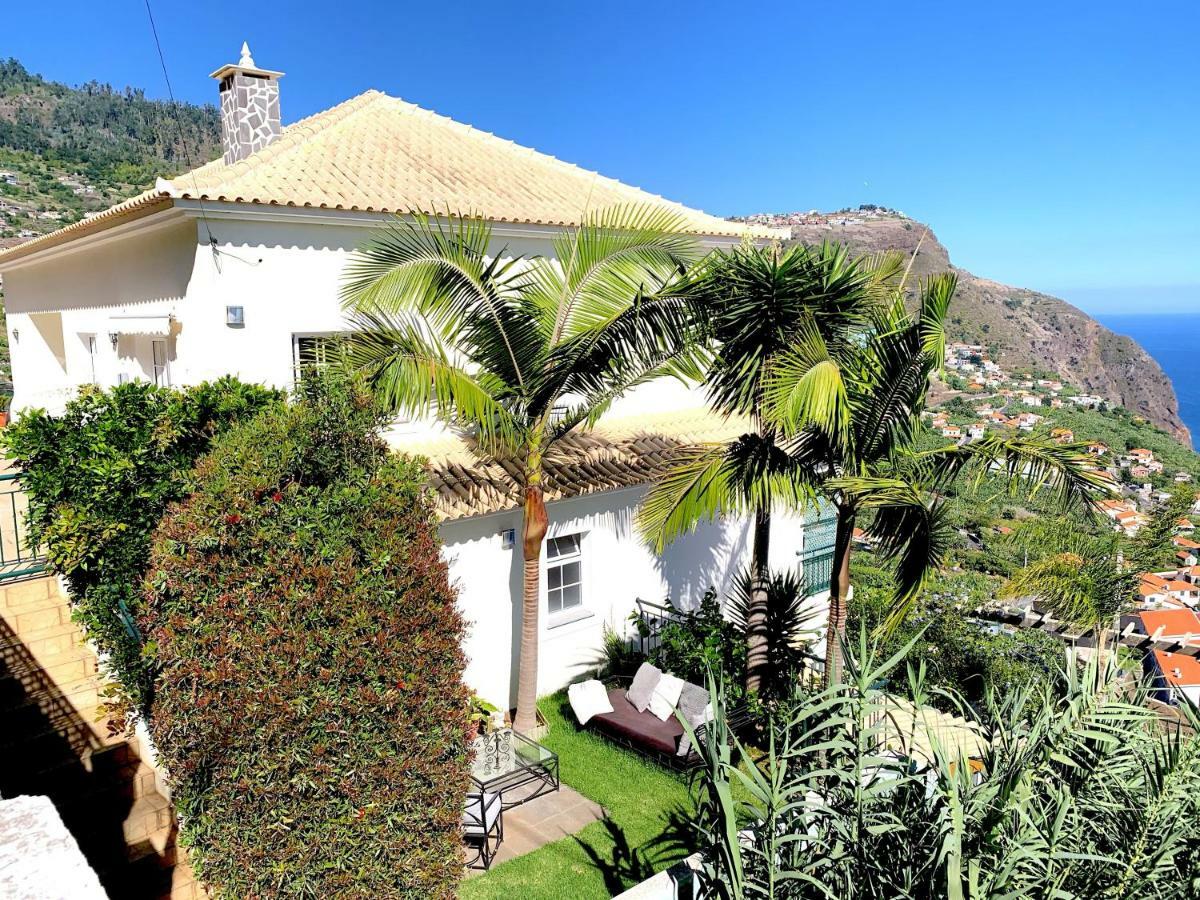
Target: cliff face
pixel 1024 329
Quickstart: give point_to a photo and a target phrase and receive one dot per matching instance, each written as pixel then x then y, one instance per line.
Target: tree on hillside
pixel 517 353
pixel 761 301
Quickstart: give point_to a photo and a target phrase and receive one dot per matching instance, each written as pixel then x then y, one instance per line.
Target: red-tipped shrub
pixel 310 707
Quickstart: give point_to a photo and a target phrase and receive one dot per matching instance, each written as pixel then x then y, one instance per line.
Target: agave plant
pixel 1079 795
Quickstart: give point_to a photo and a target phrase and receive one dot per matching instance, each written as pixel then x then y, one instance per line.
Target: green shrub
pixel 310 709
pixel 99 477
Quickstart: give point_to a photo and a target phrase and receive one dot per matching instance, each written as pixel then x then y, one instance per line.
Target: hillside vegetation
pixel 1022 329
pixel 66 152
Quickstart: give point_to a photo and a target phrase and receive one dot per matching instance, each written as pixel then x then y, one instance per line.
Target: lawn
pixel 648 809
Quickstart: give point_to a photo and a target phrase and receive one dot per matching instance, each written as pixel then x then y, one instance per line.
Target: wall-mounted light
pixel 113 337
pixel 508 538
pixel 16 336
pixel 235 316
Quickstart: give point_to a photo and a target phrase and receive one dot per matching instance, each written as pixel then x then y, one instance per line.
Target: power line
pixel 187 157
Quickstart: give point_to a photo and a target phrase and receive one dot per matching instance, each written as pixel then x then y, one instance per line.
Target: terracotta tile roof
pixel 377 153
pixel 1187 666
pixel 620 454
pixel 1171 621
pixel 1149 579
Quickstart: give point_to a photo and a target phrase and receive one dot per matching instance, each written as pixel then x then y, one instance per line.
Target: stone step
pixel 31 590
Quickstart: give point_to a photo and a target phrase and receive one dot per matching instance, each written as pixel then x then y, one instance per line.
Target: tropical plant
pixel 762 302
pixel 516 353
pixel 844 404
pixel 99 477
pixel 1077 793
pixel 310 711
pixel 1079 578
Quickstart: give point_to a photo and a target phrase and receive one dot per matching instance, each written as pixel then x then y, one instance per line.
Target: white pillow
pixel 588 698
pixel 666 696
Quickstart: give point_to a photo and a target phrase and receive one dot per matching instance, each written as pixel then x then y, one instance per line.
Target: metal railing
pixel 18 557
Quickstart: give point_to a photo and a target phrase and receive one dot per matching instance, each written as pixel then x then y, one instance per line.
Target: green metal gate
pixel 816 559
pixel 18 559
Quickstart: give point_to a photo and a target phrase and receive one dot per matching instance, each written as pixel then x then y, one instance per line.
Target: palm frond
pixel 700 487
pixel 911 528
pixel 1031 463
pixel 806 390
pixel 410 371
pixel 615 255
pixel 440 269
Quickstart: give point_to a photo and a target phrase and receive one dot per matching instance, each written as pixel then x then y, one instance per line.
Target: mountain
pixel 69 151
pixel 1023 329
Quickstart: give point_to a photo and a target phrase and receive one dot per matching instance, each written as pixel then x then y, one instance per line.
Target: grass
pixel 648 809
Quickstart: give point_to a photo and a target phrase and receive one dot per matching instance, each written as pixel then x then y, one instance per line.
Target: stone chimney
pixel 249 107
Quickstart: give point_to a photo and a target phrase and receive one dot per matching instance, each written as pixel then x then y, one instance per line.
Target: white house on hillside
pixel 235 268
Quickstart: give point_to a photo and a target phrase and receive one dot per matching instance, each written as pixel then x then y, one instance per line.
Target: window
pixel 564 573
pixel 311 352
pixel 162 375
pixel 90 340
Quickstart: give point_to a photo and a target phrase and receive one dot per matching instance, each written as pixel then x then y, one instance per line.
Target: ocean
pixel 1173 340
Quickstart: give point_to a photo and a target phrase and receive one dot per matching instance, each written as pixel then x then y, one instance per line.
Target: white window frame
pixel 560 557
pixel 298 365
pixel 160 372
pixel 91 345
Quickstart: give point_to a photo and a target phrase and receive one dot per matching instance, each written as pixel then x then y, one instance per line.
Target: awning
pixel 158 326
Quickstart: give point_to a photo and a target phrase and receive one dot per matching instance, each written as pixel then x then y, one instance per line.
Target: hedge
pixel 310 709
pixel 98 479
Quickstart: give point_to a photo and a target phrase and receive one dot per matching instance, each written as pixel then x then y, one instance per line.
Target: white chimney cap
pixel 245 66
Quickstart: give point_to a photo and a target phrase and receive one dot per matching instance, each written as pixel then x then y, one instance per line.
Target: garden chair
pixel 483 827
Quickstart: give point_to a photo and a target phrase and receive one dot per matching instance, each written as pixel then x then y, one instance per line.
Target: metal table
pixel 518 768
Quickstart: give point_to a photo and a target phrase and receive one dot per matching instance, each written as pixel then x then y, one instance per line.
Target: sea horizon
pixel 1172 338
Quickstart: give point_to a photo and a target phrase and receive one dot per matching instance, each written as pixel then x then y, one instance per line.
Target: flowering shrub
pixel 310 709
pixel 100 476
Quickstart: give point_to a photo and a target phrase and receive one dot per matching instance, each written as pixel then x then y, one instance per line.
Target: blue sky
pixel 1050 145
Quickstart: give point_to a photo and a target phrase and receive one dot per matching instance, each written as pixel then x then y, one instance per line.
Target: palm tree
pixel 846 415
pixel 760 302
pixel 1081 579
pixel 518 352
pixel 1088 579
pixel 865 456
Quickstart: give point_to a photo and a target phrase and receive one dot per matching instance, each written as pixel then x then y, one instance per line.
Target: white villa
pixel 235 268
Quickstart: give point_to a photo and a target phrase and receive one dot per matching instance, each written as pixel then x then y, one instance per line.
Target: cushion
pixel 587 699
pixel 480 813
pixel 643 686
pixel 693 700
pixel 639 728
pixel 665 696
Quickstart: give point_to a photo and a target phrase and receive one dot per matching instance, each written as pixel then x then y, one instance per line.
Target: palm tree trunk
pixel 839 597
pixel 757 649
pixel 533 532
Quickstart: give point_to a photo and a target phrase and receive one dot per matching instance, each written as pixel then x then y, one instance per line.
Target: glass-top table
pixel 518 768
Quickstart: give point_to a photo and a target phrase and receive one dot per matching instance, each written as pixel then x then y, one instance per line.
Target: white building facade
pixel 236 269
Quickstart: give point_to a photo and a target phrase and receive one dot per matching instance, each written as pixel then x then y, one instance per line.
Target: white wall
pixel 617 569
pixel 286 275
pixel 51 306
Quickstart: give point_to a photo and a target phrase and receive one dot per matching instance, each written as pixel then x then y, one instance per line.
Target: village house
pixel 1062 435
pixel 1176 677
pixel 235 268
pixel 1167 624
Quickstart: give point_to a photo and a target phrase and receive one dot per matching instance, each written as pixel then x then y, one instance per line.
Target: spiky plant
pixel 515 353
pixel 1075 794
